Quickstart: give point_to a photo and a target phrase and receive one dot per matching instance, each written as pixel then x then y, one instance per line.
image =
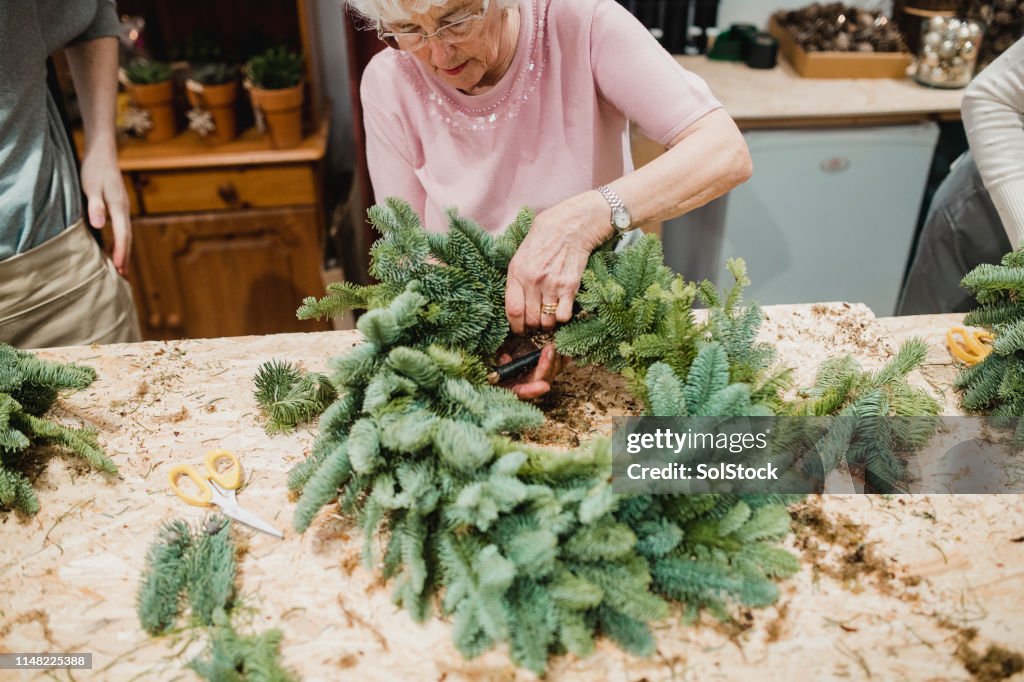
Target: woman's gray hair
pixel 394 11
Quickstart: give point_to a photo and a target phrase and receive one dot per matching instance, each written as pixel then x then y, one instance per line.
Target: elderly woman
pixel 492 105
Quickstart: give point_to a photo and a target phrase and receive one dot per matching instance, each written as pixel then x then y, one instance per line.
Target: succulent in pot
pixel 212 91
pixel 152 91
pixel 275 82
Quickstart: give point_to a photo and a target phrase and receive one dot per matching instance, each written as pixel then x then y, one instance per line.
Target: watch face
pixel 621 219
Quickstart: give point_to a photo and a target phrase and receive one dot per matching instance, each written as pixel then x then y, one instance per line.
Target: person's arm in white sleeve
pixel 993 114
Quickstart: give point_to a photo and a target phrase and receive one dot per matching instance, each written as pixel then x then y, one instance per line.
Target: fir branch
pixel 287 396
pixel 245 658
pixel 522 544
pixel 158 601
pixel 29 387
pixel 210 569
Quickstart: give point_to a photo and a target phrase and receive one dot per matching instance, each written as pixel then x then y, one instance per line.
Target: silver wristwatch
pixel 621 220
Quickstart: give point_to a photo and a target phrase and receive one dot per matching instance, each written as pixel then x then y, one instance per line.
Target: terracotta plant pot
pixel 219 100
pixel 282 112
pixel 158 100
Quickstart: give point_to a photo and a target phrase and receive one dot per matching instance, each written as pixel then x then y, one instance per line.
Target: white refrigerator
pixel 828 215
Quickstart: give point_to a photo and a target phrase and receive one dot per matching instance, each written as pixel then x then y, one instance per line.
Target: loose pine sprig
pixel 198 566
pixel 29 387
pixel 879 413
pixel 241 658
pixel 158 602
pixel 287 396
pixel 187 565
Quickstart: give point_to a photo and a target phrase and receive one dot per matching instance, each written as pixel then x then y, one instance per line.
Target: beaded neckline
pixel 453 107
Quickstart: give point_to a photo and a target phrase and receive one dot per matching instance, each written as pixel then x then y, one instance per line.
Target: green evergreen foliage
pixel 451 287
pixel 210 572
pixel 635 312
pixel 878 414
pixel 198 563
pixel 198 566
pixel 276 69
pixel 232 657
pixel 147 72
pixel 29 387
pixel 996 385
pixel 158 602
pixel 524 545
pixel 735 326
pixel 213 73
pixel 288 396
pixel 516 544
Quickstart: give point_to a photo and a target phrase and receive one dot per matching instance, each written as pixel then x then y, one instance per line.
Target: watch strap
pixel 615 203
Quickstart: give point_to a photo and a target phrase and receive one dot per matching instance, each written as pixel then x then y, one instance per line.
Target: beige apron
pixel 65 292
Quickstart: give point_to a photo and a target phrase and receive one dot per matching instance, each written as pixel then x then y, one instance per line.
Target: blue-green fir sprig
pixel 193 566
pixel 288 396
pixel 234 657
pixel 197 566
pixel 878 414
pixel 459 275
pixel 521 544
pixel 29 387
pixel 996 385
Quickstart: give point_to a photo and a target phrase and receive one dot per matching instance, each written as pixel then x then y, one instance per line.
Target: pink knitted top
pixel 554 126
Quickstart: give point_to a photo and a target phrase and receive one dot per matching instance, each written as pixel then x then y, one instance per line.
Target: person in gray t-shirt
pixel 40 206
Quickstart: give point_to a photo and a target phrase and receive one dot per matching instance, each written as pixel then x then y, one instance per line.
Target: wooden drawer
pixel 226 188
pixel 133 198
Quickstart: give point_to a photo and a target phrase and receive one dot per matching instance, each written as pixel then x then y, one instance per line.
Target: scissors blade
pixel 229 507
pixel 245 516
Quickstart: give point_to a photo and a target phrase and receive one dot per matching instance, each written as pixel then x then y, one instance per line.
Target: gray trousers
pixel 962 230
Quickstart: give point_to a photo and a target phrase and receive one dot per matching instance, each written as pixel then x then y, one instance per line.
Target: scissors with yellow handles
pixel 218 487
pixel 969 346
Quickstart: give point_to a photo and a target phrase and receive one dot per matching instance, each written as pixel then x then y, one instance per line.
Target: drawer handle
pixel 174 321
pixel 228 194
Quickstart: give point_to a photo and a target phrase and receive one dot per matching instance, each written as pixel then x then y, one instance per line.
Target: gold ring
pixel 549 308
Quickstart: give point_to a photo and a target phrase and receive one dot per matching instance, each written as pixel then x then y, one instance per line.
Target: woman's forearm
pixel 704 162
pixel 94 70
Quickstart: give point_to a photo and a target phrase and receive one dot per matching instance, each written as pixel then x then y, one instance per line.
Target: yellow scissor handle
pixel 205 492
pixel 230 478
pixel 971 347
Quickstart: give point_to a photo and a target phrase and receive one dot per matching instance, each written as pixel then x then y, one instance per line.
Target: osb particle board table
pixel 68 576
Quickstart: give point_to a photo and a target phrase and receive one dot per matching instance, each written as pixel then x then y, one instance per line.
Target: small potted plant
pixel 275 84
pixel 212 91
pixel 152 91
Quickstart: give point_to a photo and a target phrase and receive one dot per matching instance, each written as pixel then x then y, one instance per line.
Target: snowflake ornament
pixel 137 120
pixel 201 121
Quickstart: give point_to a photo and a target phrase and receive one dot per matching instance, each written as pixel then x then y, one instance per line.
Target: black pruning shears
pixel 523 363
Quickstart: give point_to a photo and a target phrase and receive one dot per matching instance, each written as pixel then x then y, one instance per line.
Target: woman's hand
pixel 545 273
pixel 105 193
pixel 538 381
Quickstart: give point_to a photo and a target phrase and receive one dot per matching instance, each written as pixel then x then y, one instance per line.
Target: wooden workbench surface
pixel 779 97
pixel 68 576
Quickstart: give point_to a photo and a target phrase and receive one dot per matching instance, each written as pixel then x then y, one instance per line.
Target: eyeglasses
pixel 452 32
